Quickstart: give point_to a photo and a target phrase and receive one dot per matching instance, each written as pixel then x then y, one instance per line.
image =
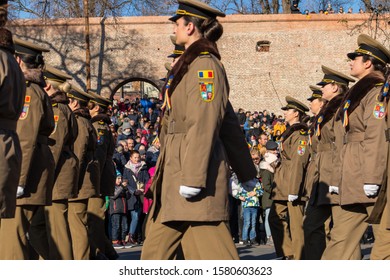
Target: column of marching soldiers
pixel 56 162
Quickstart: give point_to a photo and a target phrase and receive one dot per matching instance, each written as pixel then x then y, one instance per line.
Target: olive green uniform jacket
pixel 364 153
pixel 193 150
pixel 290 174
pixel 12 94
pixel 104 153
pixel 311 177
pixel 34 127
pixel 84 148
pixel 61 145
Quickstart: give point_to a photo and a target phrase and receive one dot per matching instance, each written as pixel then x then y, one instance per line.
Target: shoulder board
pixel 303 132
pixel 204 54
pixel 101 122
pixel 28 83
pixel 54 104
pixel 379 84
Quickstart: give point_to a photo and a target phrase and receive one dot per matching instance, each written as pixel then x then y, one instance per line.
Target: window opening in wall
pixel 263 46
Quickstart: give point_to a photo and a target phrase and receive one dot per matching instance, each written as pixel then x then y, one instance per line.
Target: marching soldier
pixel 89 175
pixel 205 107
pixel 322 203
pixel 363 152
pixel 35 124
pixel 55 217
pixel 98 106
pixel 12 95
pixel 288 194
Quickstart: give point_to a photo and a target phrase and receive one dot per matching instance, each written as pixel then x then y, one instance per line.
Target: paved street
pixel 262 252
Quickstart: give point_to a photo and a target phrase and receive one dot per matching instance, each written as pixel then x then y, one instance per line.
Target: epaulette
pixel 204 54
pixel 303 132
pixel 379 84
pixel 54 104
pixel 101 122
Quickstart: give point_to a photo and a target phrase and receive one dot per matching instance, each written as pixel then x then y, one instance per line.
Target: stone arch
pixel 134 79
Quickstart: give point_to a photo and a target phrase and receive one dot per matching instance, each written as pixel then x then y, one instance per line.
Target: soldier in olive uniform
pixel 323 204
pixel 364 149
pixel 89 175
pixel 190 205
pixel 55 217
pixel 12 95
pixel 289 196
pixel 316 103
pixel 98 106
pixel 36 123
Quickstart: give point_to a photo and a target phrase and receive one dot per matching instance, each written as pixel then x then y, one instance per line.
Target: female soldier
pixel 316 103
pixel 89 175
pixel 190 204
pixel 286 214
pixel 318 213
pixel 363 163
pixel 34 127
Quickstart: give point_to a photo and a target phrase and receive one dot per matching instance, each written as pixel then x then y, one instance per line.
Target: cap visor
pixel 175 18
pixel 310 98
pixel 321 84
pixel 172 55
pixel 284 108
pixel 352 55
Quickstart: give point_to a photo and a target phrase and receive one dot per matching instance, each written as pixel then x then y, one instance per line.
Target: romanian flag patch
pixel 206 74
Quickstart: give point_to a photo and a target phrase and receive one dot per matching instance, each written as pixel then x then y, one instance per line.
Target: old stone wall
pixel 137 47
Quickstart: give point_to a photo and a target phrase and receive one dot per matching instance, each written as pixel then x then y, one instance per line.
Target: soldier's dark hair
pixel 31 61
pixel 303 118
pixel 210 28
pixel 92 105
pixel 82 103
pixel 378 65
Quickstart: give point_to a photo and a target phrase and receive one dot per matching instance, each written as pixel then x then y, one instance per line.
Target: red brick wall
pixel 138 46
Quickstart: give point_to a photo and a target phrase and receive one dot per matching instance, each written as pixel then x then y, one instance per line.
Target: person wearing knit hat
pixel 98 107
pixel 194 120
pixel 34 126
pixel 89 175
pixel 12 96
pixel 324 204
pixel 364 150
pixel 66 162
pixel 289 194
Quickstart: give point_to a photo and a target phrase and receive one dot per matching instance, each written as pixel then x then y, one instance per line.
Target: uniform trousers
pixel 198 240
pixel 349 225
pixel 316 225
pixel 381 248
pixel 56 218
pixel 96 229
pixel 77 218
pixel 14 240
pixel 286 223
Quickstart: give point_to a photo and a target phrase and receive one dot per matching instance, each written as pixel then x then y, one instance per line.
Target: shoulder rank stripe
pixel 206 74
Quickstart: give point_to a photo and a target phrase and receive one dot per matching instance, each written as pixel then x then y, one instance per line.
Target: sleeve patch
pixel 301 150
pixel 379 110
pixel 206 74
pixel 56 118
pixel 206 91
pixel 24 113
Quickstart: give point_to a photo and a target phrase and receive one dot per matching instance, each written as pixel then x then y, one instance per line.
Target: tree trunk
pixel 367 4
pixel 264 6
pixel 286 6
pixel 87 47
pixel 275 6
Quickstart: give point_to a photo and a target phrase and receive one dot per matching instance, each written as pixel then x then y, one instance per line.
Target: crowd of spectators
pixel 135 127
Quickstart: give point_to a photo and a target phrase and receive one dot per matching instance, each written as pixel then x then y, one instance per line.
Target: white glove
pixel 250 185
pixel 292 197
pixel 334 189
pixel 189 192
pixel 370 190
pixel 20 191
pixel 234 188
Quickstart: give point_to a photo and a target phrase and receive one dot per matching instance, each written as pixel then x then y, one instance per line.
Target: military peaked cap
pixel 293 103
pixel 78 94
pixel 26 47
pixel 99 100
pixel 316 92
pixel 178 51
pixel 333 76
pixel 369 46
pixel 197 9
pixel 54 74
